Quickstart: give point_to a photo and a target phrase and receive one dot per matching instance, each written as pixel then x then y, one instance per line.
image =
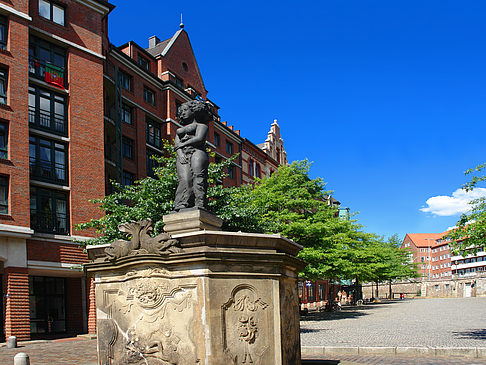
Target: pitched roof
pixel 161 48
pixel 423 239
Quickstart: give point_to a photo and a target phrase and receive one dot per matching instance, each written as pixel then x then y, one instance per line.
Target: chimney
pixel 153 41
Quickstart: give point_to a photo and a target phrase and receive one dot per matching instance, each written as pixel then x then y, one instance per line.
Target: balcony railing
pixel 46 223
pixel 48 72
pixel 48 172
pixel 46 121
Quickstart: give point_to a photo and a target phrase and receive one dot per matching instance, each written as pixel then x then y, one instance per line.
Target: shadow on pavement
pixel 320 362
pixel 473 334
pixel 346 312
pixel 309 330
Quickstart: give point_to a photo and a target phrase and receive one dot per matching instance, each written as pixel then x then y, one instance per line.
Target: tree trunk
pixel 390 294
pixel 377 291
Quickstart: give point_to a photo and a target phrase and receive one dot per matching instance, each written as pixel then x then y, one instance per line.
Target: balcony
pixel 48 122
pixel 45 71
pixel 48 172
pixel 46 223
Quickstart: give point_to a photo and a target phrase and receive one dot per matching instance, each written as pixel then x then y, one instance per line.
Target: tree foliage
pixel 470 231
pixel 288 202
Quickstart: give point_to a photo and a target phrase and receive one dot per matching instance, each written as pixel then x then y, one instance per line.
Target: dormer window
pixel 144 63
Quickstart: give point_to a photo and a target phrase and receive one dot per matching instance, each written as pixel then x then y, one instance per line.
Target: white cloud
pixel 443 205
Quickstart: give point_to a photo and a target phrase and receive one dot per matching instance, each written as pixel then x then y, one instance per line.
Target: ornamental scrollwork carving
pixel 246 326
pixel 141 242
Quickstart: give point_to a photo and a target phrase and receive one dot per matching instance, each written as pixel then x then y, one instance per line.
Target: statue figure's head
pixel 194 109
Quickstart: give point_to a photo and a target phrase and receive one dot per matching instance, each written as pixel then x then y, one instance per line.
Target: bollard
pixel 21 359
pixel 12 342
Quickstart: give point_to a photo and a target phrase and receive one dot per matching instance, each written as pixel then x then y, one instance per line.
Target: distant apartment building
pixel 432 253
pixel 470 265
pixel 76 112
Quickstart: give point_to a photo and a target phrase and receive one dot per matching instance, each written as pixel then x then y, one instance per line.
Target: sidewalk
pixel 66 351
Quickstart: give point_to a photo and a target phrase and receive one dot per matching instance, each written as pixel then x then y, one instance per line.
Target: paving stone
pixel 415 351
pixel 434 322
pixel 312 351
pixel 456 351
pixel 338 350
pixel 376 350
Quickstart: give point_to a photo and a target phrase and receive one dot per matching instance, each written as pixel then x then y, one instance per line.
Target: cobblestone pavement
pixel 448 322
pixel 71 351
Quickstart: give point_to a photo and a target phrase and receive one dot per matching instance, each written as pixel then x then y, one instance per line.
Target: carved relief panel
pixel 146 320
pixel 246 327
pixel 290 322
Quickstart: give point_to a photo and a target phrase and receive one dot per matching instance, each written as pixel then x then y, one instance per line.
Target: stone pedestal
pixel 223 298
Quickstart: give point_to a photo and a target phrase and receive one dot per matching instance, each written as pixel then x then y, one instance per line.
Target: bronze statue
pixel 192 159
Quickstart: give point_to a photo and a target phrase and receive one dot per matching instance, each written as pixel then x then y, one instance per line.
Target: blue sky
pixel 387 98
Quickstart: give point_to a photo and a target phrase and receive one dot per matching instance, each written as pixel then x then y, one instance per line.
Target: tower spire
pixel 182 24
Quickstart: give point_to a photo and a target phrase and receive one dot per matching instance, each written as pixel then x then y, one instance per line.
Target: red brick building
pixel 75 113
pixel 431 252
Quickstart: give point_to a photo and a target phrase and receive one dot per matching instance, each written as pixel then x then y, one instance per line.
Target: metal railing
pixel 48 171
pixel 48 72
pixel 46 223
pixel 47 121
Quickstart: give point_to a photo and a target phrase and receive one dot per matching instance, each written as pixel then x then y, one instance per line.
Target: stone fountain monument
pixel 195 294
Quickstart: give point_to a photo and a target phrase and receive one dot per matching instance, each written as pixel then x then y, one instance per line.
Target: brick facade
pixel 59 193
pixel 16 289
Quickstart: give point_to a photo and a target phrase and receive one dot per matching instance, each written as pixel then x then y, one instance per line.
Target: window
pixel 128 178
pixel 144 63
pixel 125 80
pixel 3 32
pixel 148 96
pixel 3 195
pixel 153 133
pixel 231 172
pixel 49 211
pixel 47 62
pixel 126 114
pixel 52 11
pixel 178 82
pixel 47 110
pixel 251 169
pixel 229 148
pixel 151 163
pixel 47 160
pixel 217 139
pixel 3 86
pixel 127 148
pixel 3 140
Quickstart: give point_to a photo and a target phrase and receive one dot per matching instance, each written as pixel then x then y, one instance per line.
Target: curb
pixel 311 352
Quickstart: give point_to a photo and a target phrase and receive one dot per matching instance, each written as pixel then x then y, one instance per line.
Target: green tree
pixel 470 231
pixel 288 202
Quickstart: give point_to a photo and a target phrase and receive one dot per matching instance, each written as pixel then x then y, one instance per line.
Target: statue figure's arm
pixel 198 138
pixel 177 141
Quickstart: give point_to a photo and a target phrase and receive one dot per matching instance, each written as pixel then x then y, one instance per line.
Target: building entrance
pixel 47 305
